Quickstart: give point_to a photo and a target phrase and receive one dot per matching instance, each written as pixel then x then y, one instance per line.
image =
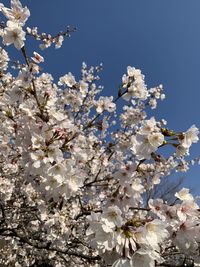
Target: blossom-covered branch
pixel 77 170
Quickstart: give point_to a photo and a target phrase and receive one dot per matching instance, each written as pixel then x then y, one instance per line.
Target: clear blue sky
pixel 161 37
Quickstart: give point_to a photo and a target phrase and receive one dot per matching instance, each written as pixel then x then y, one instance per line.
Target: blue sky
pixel 162 38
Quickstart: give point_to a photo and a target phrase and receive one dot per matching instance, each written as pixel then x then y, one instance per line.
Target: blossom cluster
pixel 76 176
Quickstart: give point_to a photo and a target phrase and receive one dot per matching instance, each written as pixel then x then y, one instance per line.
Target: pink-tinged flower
pixel 37 58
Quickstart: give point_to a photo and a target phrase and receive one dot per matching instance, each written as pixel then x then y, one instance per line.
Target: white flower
pixel 132 116
pixel 83 86
pixel 187 209
pixel 141 147
pixel 138 90
pixel 147 140
pixel 122 263
pixel 187 236
pixel 37 141
pixel 105 103
pixel 182 151
pixel 54 154
pixel 126 172
pixel 45 45
pixel 137 186
pixel 125 242
pixel 135 84
pixel 153 234
pixel 67 79
pixel 3 59
pixel 132 72
pixel 58 170
pixel 153 103
pixel 148 126
pixel 59 41
pixel 24 78
pixel 105 240
pixel 184 195
pixel 156 139
pixel 112 216
pixel 145 258
pixel 191 136
pixel 37 156
pixel 157 206
pixel 17 13
pixel 13 34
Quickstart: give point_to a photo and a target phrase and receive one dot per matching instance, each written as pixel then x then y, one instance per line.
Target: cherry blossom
pixel 13 34
pixel 78 169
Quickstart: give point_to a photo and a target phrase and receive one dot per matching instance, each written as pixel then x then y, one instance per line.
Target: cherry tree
pixel 75 168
